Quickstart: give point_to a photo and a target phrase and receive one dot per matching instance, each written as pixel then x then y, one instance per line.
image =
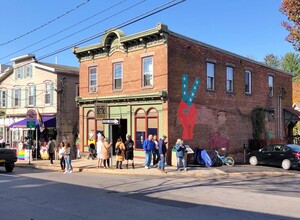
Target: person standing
pixel 155 153
pixel 61 155
pixel 148 147
pixel 162 150
pixel 67 157
pixel 129 147
pixel 180 152
pixel 51 150
pixel 106 148
pixel 99 150
pixel 120 149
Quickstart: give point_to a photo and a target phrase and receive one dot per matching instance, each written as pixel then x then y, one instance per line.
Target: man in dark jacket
pixel 51 150
pixel 162 149
pixel 148 147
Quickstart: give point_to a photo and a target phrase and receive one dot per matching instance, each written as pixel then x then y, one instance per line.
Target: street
pixel 40 194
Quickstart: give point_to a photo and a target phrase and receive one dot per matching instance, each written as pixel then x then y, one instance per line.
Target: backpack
pixel 118 151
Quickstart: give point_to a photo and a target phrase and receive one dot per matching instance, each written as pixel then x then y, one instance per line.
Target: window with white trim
pixel 210 71
pixel 229 79
pixel 30 95
pixel 47 93
pixel 147 71
pixel 3 98
pixel 27 70
pixel 118 74
pixel 248 82
pixel 92 79
pixel 17 97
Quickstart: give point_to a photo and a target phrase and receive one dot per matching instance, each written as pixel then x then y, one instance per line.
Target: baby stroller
pixel 92 152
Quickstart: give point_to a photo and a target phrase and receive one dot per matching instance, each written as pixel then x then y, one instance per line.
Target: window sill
pixel 211 90
pixel 147 87
pixel 118 90
pixel 230 93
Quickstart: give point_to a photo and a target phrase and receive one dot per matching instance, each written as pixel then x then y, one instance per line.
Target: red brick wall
pixel 218 112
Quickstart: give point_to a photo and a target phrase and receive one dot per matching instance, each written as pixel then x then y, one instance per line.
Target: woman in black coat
pixel 129 147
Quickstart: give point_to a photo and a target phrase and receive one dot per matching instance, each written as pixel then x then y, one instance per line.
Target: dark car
pixel 285 155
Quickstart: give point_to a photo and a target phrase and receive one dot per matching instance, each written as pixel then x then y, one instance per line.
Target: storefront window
pixel 146 124
pixel 90 128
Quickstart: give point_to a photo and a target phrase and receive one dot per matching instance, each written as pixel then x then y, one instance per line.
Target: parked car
pixel 285 155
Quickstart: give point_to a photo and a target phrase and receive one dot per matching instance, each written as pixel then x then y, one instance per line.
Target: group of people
pixel 64 155
pixel 124 151
pixel 158 150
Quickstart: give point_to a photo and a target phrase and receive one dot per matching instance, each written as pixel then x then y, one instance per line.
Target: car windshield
pixel 294 147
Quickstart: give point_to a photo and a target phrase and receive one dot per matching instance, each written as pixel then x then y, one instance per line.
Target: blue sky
pixel 250 28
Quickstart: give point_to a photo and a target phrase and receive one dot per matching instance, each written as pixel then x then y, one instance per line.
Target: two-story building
pixel 160 82
pixel 48 88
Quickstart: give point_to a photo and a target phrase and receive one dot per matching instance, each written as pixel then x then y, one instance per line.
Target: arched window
pixel 146 123
pixel 90 124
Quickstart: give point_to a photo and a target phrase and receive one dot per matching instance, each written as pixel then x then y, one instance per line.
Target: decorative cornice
pixel 116 40
pixel 156 96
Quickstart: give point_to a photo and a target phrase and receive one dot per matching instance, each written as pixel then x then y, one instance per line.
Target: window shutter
pixel 16 75
pixel 51 93
pixel 34 95
pixel 12 98
pixel 22 72
pixel 26 96
pixel 19 97
pixel 1 97
pixel 6 93
pixel 30 70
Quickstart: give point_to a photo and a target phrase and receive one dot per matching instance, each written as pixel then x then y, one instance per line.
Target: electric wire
pixel 43 25
pixel 65 29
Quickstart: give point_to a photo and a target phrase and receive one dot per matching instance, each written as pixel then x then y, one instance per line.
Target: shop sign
pixel 100 110
pixel 31 114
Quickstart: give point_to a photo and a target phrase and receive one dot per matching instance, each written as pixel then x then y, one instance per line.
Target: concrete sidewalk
pixel 90 166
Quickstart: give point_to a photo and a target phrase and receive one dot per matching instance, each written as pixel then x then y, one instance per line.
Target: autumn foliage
pixel 291 8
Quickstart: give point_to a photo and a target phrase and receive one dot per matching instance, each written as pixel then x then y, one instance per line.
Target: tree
pixel 291 8
pixel 272 61
pixel 290 63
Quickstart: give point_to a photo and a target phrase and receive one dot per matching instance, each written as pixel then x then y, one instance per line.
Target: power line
pixel 59 32
pixel 121 25
pixel 43 25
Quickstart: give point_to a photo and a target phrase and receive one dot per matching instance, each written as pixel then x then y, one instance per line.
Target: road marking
pixel 8 175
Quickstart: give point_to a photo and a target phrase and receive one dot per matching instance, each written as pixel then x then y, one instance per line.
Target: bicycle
pixel 229 161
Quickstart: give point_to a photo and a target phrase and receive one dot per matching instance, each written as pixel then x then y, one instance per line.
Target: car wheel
pixel 9 167
pixel 286 164
pixel 253 160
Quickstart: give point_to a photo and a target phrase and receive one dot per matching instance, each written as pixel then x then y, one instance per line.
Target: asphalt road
pixel 40 194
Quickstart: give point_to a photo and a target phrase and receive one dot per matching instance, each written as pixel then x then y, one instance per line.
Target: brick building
pixel 160 82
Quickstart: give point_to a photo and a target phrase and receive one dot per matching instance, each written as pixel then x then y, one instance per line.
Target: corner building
pixel 160 82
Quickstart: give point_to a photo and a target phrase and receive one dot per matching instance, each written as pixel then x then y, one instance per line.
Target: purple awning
pixel 49 122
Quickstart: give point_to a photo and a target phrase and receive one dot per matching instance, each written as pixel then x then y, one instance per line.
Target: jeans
pixel 162 162
pixel 51 156
pixel 155 155
pixel 62 163
pixel 183 162
pixel 148 157
pixel 68 163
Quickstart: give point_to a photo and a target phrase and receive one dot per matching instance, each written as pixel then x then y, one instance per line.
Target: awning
pixel 291 116
pixel 49 122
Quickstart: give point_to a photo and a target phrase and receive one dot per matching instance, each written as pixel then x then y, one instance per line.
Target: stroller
pixel 92 152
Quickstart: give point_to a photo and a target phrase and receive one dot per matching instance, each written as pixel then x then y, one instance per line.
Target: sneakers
pixel 147 167
pixel 185 169
pixel 71 171
pixel 65 171
pixel 156 165
pixel 163 171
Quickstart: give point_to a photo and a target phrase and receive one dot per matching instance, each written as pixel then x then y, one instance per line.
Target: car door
pixel 266 154
pixel 277 155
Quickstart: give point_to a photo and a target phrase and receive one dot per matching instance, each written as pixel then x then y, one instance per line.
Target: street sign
pixel 30 124
pixel 31 114
pixel 111 121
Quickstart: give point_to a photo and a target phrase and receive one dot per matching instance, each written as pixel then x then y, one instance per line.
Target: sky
pixel 49 28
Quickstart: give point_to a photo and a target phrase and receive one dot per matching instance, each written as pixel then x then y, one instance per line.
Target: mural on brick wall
pixel 217 141
pixel 186 111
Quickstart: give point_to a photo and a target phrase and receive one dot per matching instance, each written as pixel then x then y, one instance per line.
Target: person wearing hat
pixel 162 150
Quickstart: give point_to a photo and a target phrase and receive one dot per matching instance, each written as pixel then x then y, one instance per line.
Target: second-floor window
pixel 271 86
pixel 16 97
pixel 31 95
pixel 118 74
pixel 93 79
pixel 28 70
pixel 3 95
pixel 229 79
pixel 210 76
pixel 148 71
pixel 19 73
pixel 48 93
pixel 248 82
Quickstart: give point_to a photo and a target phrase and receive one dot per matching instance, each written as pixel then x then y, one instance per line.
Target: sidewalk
pixel 90 166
